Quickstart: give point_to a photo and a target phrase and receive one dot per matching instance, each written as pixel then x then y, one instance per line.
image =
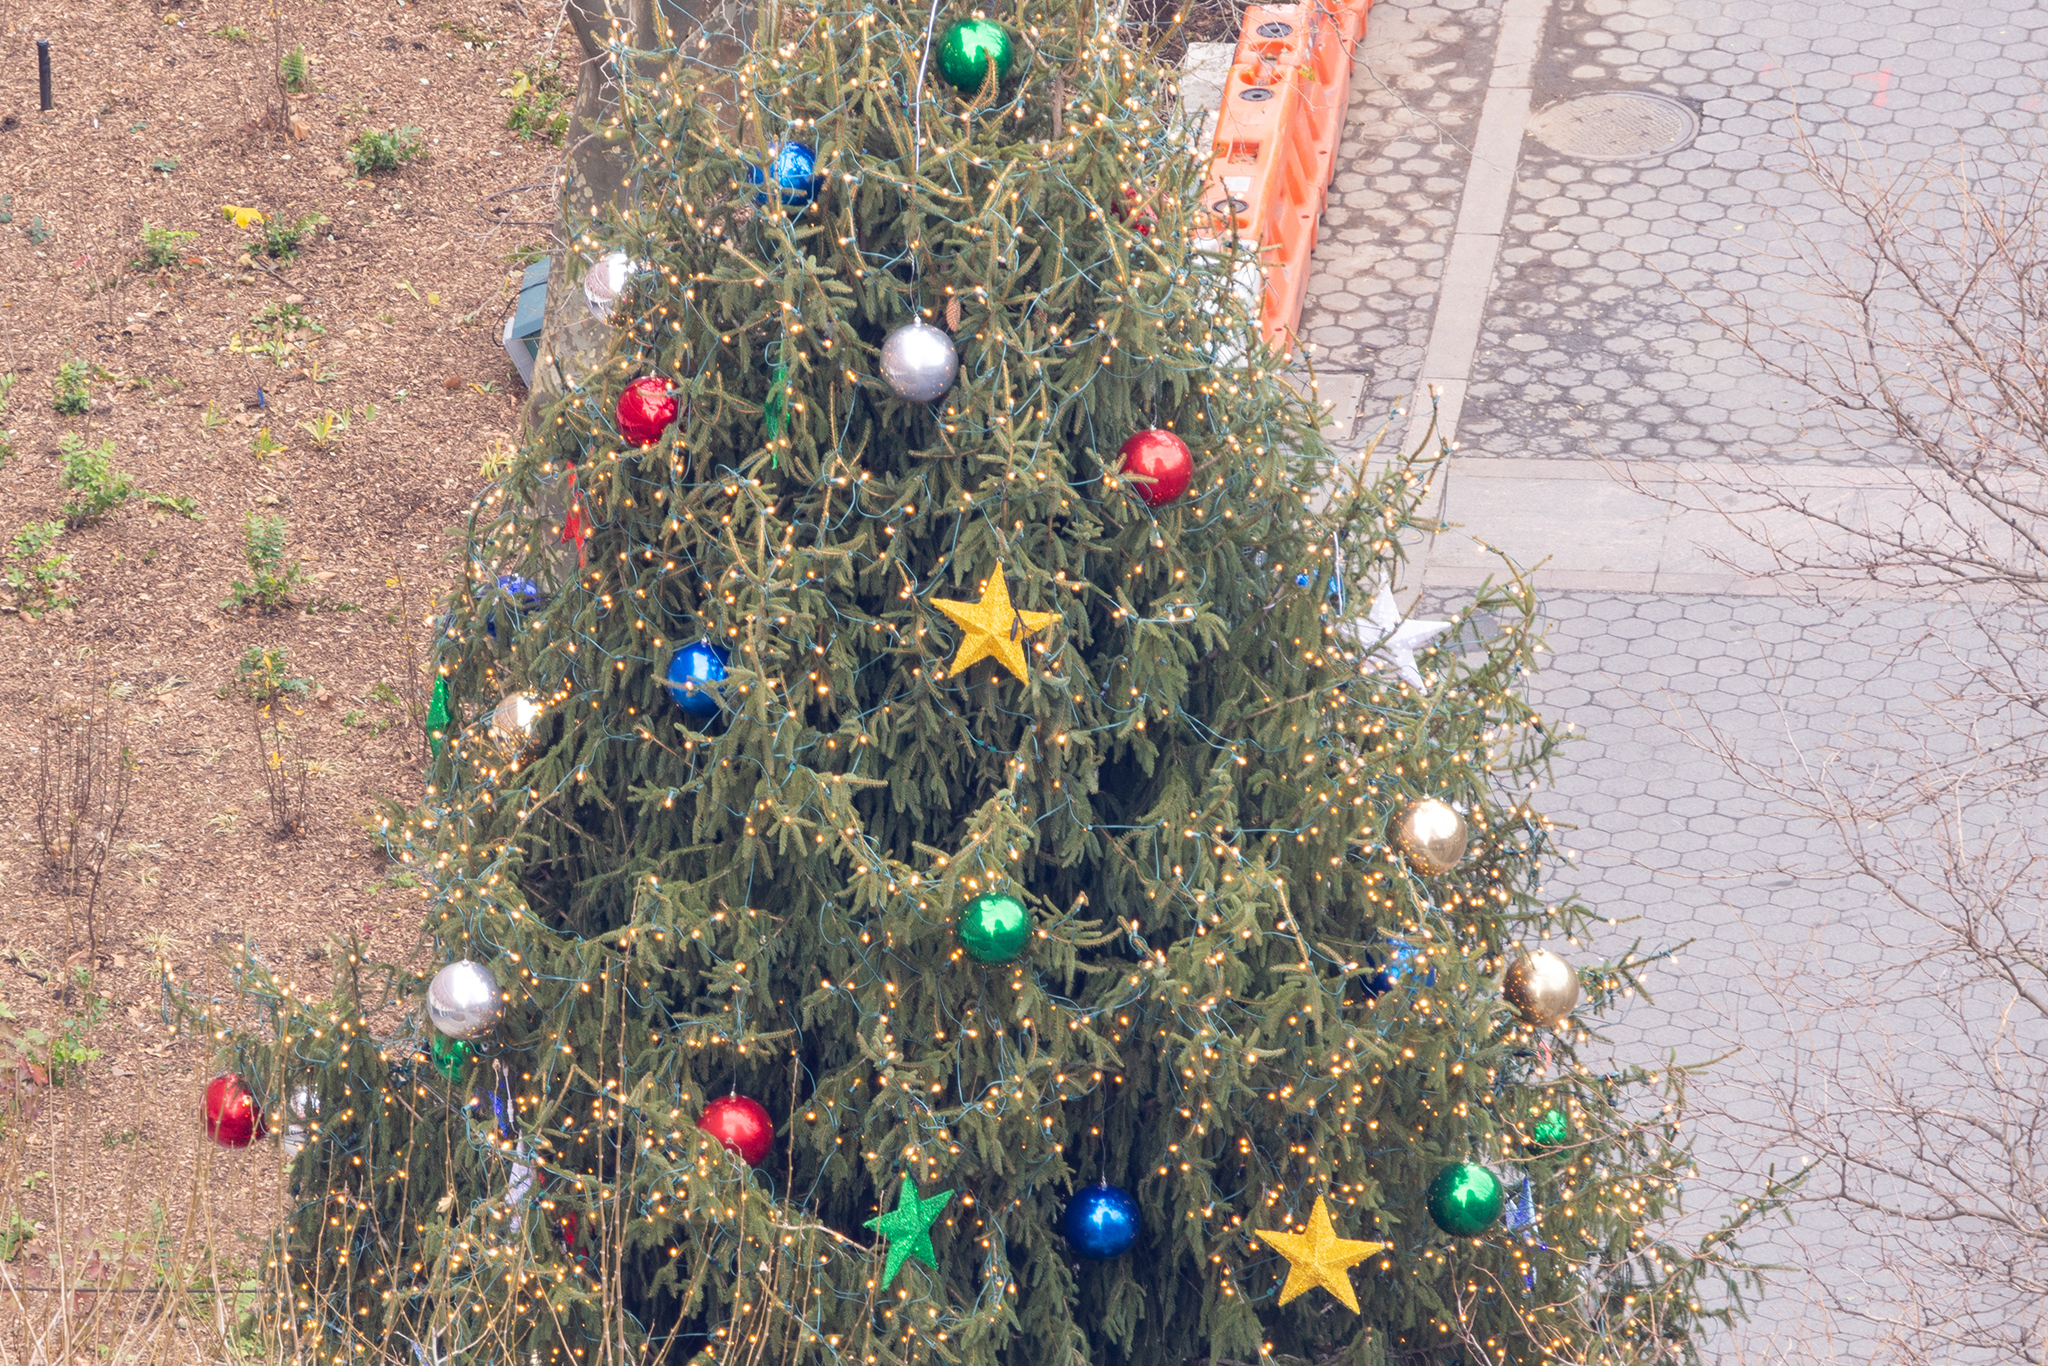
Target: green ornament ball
pixel 450 1055
pixel 968 48
pixel 1554 1130
pixel 995 927
pixel 1465 1199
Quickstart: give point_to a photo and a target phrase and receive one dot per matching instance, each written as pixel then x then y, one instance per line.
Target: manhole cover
pixel 1616 125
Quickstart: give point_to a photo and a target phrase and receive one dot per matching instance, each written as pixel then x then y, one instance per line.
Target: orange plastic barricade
pixel 1276 145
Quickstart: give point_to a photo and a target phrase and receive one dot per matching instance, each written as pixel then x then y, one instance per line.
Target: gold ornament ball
pixel 1543 987
pixel 1432 835
pixel 513 722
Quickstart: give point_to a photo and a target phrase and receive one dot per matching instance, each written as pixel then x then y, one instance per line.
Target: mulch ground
pixel 161 120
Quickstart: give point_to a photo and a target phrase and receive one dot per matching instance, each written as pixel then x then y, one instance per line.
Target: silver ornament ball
pixel 302 1113
pixel 1432 835
pixel 463 1000
pixel 607 281
pixel 919 362
pixel 1543 987
pixel 512 724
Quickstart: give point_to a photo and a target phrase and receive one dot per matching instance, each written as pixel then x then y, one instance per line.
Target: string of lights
pixel 1239 992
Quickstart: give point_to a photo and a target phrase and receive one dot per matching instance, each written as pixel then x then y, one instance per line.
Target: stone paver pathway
pixel 1571 309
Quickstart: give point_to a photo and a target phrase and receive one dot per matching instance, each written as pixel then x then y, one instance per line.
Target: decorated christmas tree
pixel 940 845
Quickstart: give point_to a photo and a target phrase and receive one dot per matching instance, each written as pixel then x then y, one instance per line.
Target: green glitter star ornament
pixel 438 715
pixel 909 1228
pixel 776 410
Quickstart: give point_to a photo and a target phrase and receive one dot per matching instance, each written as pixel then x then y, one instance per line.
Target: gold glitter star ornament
pixel 1319 1257
pixel 992 629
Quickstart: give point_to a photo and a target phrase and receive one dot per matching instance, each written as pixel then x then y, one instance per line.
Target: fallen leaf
pixel 433 299
pixel 241 217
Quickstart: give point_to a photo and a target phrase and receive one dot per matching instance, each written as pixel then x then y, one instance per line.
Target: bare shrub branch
pixel 1921 1079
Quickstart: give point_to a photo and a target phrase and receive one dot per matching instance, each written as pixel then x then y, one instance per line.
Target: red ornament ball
pixel 233 1118
pixel 741 1125
pixel 645 409
pixel 1163 464
pixel 1137 211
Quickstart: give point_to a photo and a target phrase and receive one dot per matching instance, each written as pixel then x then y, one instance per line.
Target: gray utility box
pixel 522 329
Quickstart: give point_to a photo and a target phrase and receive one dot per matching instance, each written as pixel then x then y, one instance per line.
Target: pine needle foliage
pixel 1193 792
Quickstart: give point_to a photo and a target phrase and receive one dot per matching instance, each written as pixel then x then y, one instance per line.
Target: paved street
pixel 1574 286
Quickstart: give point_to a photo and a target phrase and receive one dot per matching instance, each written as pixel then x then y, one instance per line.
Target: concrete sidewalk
pixel 1570 298
pixel 1683 527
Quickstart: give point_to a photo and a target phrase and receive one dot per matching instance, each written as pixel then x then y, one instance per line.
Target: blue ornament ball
pixel 694 673
pixel 1395 964
pixel 795 169
pixel 524 592
pixel 1101 1222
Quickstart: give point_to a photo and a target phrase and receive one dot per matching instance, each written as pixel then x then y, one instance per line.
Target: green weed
pixel 15 1234
pixel 273 576
pixel 162 248
pixel 6 438
pixel 467 34
pixel 286 317
pixel 375 151
pixel 295 69
pixel 94 488
pixel 279 333
pixel 185 507
pixel 57 1056
pixel 35 574
pixel 538 113
pixel 326 429
pixel 281 239
pixel 71 393
pixel 264 673
pixel 69 1051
